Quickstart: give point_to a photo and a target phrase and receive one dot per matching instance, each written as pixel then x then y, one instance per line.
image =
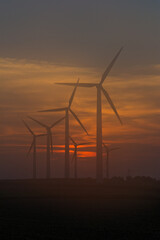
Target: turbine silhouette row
pixel 67 110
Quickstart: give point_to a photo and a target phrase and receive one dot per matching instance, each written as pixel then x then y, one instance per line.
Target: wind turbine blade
pixel 57 122
pixel 73 93
pixel 30 148
pixel 104 144
pixel 28 127
pixel 86 143
pixel 41 135
pixel 42 124
pixel 112 149
pixel 106 147
pixel 75 116
pixel 72 140
pixel 79 85
pixel 54 110
pixel 111 104
pixel 108 69
pixel 73 157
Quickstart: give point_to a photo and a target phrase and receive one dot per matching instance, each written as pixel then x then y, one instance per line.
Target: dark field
pixel 81 209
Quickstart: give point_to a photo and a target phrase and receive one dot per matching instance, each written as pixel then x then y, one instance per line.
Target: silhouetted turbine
pixel 33 145
pixel 108 150
pixel 49 142
pixel 74 157
pixel 99 161
pixel 67 110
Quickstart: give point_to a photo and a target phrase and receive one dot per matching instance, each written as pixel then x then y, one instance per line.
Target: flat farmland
pixel 79 209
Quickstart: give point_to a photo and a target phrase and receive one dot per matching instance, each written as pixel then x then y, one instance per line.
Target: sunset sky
pixel 43 42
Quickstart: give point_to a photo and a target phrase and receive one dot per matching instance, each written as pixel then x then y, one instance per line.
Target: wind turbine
pixel 33 145
pixel 49 142
pixel 99 160
pixel 74 157
pixel 67 110
pixel 108 150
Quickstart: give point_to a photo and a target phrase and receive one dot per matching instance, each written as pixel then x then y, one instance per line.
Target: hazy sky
pixel 47 41
pixel 80 32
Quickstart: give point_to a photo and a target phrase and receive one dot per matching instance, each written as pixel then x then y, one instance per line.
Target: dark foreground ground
pixel 82 209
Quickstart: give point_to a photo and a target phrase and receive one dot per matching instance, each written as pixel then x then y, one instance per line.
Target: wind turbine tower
pixel 49 142
pixel 67 110
pixel 99 87
pixel 74 157
pixel 33 145
pixel 108 150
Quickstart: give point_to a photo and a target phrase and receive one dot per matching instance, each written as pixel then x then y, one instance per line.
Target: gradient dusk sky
pixel 43 42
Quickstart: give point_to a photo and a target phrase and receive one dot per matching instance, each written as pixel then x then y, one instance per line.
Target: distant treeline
pixel 137 180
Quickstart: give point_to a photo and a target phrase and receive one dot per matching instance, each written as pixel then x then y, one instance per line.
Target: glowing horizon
pixel 139 119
